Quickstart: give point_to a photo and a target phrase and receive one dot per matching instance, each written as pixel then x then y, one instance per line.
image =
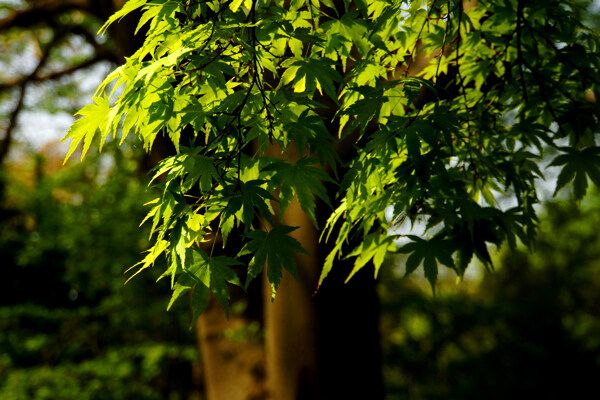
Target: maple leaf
pixel 433 148
pixel 253 195
pixel 274 248
pixel 205 274
pixel 578 164
pixel 374 247
pixel 300 179
pixel 244 198
pixel 126 9
pixel 94 117
pixel 427 251
pixel 312 73
pixel 367 108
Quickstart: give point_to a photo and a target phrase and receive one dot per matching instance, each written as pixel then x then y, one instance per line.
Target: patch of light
pixel 505 201
pixel 20 63
pixel 38 129
pixel 406 227
pixel 105 165
pixel 452 162
pixel 90 78
pixel 6 6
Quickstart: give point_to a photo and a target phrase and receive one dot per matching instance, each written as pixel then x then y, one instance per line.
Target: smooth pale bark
pixel 291 319
pixel 232 369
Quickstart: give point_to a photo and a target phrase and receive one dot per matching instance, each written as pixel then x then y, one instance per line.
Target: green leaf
pixel 578 165
pixel 374 247
pixel 253 197
pixel 274 248
pixel 427 251
pixel 156 250
pixel 156 11
pixel 205 273
pixel 200 296
pixel 431 270
pixel 367 108
pixel 447 123
pixel 94 118
pixel 148 72
pixel 184 284
pixel 130 6
pixel 219 273
pixel 301 179
pixel 316 74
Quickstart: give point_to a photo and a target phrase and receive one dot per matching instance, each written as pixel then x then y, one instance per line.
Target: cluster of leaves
pixel 520 325
pixel 235 83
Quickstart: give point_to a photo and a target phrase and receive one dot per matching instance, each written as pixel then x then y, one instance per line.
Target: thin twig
pixel 5 144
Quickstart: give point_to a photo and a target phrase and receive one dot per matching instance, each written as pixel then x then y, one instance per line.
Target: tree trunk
pixel 291 321
pixel 324 346
pixel 314 345
pixel 232 369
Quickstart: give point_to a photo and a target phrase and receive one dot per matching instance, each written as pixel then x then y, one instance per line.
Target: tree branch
pixel 6 141
pixel 52 75
pixel 40 12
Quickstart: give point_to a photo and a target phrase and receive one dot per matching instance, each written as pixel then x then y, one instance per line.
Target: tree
pixel 432 111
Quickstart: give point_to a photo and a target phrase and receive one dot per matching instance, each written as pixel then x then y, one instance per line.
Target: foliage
pixel 531 328
pixel 234 83
pixel 68 330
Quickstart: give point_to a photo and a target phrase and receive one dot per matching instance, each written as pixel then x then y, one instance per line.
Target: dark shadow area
pixel 530 329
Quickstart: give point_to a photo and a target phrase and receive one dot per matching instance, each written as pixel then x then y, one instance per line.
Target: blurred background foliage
pixel 531 328
pixel 69 329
